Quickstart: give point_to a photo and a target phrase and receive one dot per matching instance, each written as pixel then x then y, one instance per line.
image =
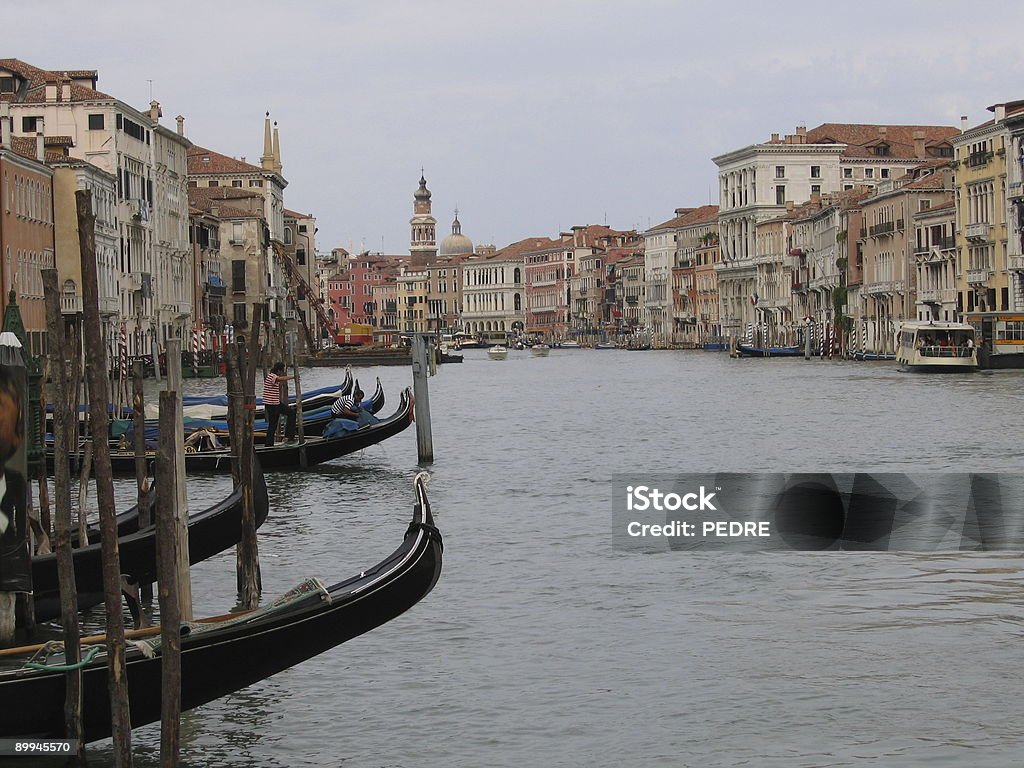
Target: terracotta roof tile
pixel 206 162
pixel 38 78
pixel 859 137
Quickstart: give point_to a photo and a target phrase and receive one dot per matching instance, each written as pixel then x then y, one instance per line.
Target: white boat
pixel 937 347
pixel 540 350
pixel 497 353
pixel 569 344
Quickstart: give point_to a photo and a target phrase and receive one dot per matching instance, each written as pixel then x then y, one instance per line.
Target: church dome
pixel 456 244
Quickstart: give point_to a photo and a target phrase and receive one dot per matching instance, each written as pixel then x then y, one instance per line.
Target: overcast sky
pixel 531 116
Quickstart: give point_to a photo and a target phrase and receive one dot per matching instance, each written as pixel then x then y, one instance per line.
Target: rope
pixel 65 667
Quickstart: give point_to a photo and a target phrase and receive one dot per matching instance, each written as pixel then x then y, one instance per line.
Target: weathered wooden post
pixel 298 400
pixel 174 384
pixel 424 437
pixel 167 564
pixel 248 557
pixel 62 438
pixel 96 373
pixel 139 444
pixel 807 338
pixel 45 519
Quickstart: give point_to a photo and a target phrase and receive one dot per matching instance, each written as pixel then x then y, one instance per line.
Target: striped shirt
pixel 271 390
pixel 343 403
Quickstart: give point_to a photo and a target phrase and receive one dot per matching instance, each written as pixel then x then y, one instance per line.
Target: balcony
pixel 796 251
pixel 183 308
pixel 276 291
pixel 109 305
pixel 977 231
pixel 879 230
pixel 936 296
pixel 978 276
pixel 1015 262
pixel 885 286
pixel 978 159
pixel 799 288
pixel 70 304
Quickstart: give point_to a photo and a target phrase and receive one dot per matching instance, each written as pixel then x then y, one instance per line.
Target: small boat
pixel 873 356
pixel 497 353
pixel 540 350
pixel 224 654
pixel 314 420
pixel 937 347
pixel 313 450
pixel 209 533
pixel 746 350
pixel 714 346
pixel 606 345
pixel 568 344
pixel 215 406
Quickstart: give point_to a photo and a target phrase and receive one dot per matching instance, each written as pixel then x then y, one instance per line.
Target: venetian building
pixel 423 243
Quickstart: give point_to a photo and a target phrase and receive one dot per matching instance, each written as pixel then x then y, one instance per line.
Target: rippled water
pixel 542 646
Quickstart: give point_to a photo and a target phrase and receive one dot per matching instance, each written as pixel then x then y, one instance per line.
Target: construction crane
pixel 294 276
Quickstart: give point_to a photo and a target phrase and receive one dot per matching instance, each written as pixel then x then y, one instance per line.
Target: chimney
pixel 181 124
pixel 919 144
pixel 51 90
pixel 775 138
pixel 789 206
pixel 5 125
pixel 801 134
pixel 154 111
pixel 40 147
pixel 883 132
pixel 65 91
pixel 1000 110
pixel 963 123
pixel 215 211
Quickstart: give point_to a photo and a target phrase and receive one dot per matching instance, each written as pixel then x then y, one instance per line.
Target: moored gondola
pixel 283 456
pixel 210 532
pixel 215 406
pixel 222 655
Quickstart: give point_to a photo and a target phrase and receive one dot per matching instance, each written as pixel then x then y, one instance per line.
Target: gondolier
pixel 275 399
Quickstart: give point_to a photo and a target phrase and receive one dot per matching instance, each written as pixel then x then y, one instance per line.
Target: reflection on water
pixel 541 644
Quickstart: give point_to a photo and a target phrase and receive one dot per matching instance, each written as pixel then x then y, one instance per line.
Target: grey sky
pixel 528 118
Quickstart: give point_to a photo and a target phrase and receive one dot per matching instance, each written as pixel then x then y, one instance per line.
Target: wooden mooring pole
pixel 99 421
pixel 298 399
pixel 248 557
pixel 63 435
pixel 141 475
pixel 173 353
pixel 424 436
pixel 167 564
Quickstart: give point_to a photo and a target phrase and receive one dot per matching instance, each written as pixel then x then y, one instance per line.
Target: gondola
pixel 209 533
pixel 314 450
pixel 215 406
pixel 746 350
pixel 228 653
pixel 314 420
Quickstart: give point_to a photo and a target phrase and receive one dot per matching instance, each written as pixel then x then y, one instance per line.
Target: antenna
pixel 150 89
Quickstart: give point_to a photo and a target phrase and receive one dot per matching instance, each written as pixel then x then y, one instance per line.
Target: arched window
pixel 517 302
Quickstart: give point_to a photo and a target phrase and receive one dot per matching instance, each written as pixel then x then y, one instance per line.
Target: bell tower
pixel 423 242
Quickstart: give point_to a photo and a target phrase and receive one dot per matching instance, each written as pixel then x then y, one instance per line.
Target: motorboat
pixel 937 347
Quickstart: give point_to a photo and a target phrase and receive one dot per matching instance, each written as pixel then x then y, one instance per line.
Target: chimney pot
pixel 40 147
pixel 775 138
pixel 65 92
pixel 1000 110
pixel 181 125
pixel 154 111
pixel 51 91
pixel 919 144
pixel 963 123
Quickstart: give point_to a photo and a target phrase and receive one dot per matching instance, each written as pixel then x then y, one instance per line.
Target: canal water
pixel 541 645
